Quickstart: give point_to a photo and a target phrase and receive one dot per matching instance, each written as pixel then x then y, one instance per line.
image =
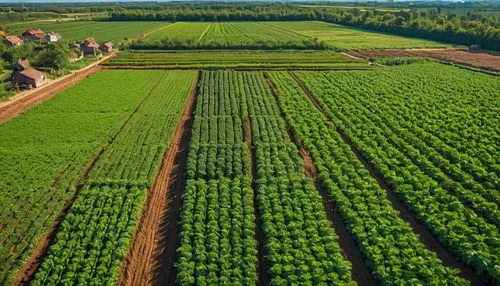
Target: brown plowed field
pixel 475 59
pixel 152 255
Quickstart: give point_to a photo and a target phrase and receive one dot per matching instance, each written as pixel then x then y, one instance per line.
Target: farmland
pixel 237 59
pixel 267 34
pixel 99 30
pixel 232 151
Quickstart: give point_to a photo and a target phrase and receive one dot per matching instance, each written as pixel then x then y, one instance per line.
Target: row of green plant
pixel 301 246
pixel 451 209
pixel 93 239
pixel 390 247
pixel 45 151
pixel 136 152
pixel 217 237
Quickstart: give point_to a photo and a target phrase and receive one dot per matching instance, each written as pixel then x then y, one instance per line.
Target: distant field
pixel 351 38
pixel 229 34
pixel 99 30
pixel 237 59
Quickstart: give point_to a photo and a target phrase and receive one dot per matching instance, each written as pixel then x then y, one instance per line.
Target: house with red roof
pixel 13 40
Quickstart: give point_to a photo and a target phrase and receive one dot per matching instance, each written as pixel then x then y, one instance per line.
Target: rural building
pixel 13 41
pixel 89 47
pixel 23 75
pixel 33 35
pixel 106 47
pixel 52 37
pixel 3 34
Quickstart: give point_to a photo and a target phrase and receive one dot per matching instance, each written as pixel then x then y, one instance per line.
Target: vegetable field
pixel 255 168
pixel 238 59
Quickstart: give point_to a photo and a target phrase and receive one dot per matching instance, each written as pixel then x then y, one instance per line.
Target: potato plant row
pixel 45 151
pixel 391 249
pixel 94 238
pixel 217 237
pixel 301 245
pixel 452 210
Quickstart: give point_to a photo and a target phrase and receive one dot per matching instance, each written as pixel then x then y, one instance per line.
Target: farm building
pixel 33 35
pixel 106 47
pixel 3 34
pixel 89 47
pixel 23 75
pixel 52 37
pixel 13 41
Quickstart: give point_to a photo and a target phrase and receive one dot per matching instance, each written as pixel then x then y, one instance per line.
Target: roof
pixel 54 34
pixel 24 64
pixel 91 43
pixel 108 45
pixel 31 73
pixel 2 33
pixel 39 35
pixel 34 31
pixel 13 39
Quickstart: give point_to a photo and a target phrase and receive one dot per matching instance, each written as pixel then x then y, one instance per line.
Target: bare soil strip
pixel 262 264
pixel 425 236
pixel 360 272
pixel 25 100
pixel 153 253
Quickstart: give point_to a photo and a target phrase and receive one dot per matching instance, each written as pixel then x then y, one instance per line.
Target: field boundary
pixel 360 271
pixel 257 68
pixel 27 99
pixel 424 235
pixel 159 223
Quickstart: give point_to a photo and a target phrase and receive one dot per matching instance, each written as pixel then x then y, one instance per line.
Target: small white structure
pixel 52 37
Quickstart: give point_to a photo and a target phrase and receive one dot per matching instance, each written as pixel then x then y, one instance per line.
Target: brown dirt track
pixel 152 255
pixel 477 59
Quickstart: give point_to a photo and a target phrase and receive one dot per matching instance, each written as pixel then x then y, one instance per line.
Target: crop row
pixel 301 245
pixel 391 249
pixel 428 192
pixel 95 236
pixel 45 151
pixel 217 237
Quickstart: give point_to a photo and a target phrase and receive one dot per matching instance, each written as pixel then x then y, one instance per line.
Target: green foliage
pixel 397 61
pixel 387 242
pixel 434 142
pixel 44 152
pixel 238 59
pixel 54 55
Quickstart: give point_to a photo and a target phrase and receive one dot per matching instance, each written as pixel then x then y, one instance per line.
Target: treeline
pixel 193 44
pixel 470 30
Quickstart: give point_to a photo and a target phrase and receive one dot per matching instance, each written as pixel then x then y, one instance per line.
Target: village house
pixel 33 35
pixel 13 40
pixel 52 37
pixel 3 34
pixel 89 47
pixel 24 75
pixel 106 47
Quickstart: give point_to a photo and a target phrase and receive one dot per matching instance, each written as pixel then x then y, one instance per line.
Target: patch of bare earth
pixel 153 253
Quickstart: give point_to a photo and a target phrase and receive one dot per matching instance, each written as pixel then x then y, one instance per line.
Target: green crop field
pixel 99 30
pixel 43 166
pixel 348 38
pixel 241 34
pixel 238 59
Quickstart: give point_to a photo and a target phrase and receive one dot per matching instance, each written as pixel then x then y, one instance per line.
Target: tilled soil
pixel 153 253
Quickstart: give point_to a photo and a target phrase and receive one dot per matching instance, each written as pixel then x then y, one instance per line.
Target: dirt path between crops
pixel 153 253
pixel 27 99
pixel 262 264
pixel 360 272
pixel 425 236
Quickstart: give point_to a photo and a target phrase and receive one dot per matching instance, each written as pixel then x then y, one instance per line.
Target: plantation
pixel 269 35
pixel 238 144
pixel 238 59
